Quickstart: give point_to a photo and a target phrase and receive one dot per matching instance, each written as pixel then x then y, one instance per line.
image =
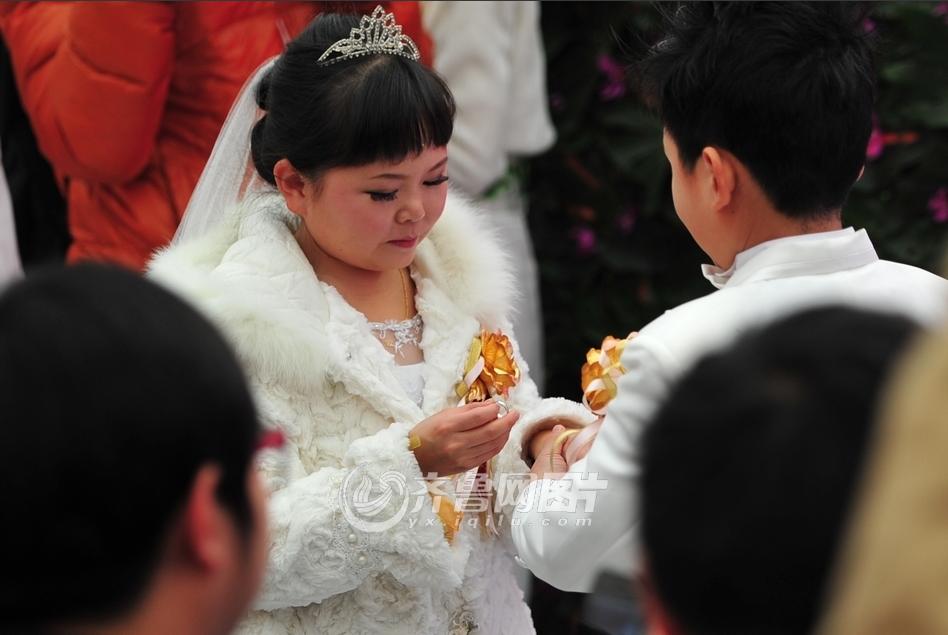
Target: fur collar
pixel 249 275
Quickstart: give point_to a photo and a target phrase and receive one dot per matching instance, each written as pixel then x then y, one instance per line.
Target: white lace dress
pixel 412 379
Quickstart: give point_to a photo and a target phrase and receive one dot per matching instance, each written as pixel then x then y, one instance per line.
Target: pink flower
pixel 626 221
pixel 879 139
pixel 938 205
pixel 614 86
pixel 557 103
pixel 941 9
pixel 585 239
pixel 868 25
pixel 612 91
pixel 876 141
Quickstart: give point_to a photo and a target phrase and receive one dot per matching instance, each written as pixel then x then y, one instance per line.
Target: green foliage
pixel 613 254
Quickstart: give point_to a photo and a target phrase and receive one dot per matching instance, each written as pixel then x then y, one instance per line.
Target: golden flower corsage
pixel 490 372
pixel 491 369
pixel 601 371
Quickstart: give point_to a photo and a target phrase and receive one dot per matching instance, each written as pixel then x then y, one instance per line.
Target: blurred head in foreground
pixel 126 442
pixel 749 469
pixel 893 576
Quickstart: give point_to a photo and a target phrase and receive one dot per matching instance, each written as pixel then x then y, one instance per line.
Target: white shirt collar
pixel 805 254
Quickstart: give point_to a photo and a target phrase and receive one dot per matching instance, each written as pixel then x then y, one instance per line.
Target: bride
pixel 365 300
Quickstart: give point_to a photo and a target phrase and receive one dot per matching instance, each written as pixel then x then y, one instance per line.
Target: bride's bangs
pixel 396 110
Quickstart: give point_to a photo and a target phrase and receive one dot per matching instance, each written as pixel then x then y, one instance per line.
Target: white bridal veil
pixel 229 175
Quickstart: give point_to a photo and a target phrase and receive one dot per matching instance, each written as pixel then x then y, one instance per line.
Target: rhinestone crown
pixel 377 34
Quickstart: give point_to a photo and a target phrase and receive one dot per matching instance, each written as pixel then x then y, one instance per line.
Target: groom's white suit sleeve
pixel 564 543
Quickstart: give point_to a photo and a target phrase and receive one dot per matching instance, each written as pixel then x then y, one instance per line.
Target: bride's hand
pixel 550 462
pixel 459 439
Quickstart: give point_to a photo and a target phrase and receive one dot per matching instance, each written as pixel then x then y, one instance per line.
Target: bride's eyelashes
pixel 381 197
pixel 384 197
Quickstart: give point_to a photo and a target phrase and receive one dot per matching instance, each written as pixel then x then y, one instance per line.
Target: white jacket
pixel 320 376
pixel 767 282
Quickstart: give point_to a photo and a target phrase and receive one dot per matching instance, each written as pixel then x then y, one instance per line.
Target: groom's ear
pixel 292 185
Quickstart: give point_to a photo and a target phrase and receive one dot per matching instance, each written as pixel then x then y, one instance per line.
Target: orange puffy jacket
pixel 127 98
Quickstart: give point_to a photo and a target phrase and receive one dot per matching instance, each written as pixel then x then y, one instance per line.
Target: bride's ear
pixel 292 185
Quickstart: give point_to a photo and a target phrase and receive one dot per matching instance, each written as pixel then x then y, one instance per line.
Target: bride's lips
pixel 407 243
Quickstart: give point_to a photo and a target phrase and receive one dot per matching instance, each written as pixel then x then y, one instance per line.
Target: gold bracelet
pixel 558 444
pixel 414 441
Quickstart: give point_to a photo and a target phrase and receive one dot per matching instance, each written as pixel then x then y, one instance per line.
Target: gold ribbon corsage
pixel 601 371
pixel 491 369
pixel 490 372
pixel 599 374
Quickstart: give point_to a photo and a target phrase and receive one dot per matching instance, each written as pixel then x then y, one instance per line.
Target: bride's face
pixel 374 216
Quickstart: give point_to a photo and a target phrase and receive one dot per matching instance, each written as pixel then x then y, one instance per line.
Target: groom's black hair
pixel 349 113
pixel 749 467
pixel 786 87
pixel 113 394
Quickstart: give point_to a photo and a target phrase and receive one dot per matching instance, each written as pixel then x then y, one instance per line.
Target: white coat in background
pixel 491 55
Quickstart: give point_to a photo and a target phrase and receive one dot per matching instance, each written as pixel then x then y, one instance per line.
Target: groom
pixel 767 111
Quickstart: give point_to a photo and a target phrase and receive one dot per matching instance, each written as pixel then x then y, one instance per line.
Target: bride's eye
pixel 382 197
pixel 437 181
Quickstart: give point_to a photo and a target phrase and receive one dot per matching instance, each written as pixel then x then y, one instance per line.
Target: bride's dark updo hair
pixel 353 112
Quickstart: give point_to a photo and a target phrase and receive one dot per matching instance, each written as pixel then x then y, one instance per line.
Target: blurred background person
pixel 491 54
pixel 126 100
pixel 749 468
pixel 34 221
pixel 130 496
pixel 9 254
pixel 893 576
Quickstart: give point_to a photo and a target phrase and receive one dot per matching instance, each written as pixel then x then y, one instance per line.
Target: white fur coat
pixel 321 377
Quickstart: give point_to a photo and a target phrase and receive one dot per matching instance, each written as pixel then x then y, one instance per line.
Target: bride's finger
pixel 492 431
pixel 477 417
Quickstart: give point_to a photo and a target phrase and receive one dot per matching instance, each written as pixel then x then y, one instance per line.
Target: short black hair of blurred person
pixel 749 469
pixel 786 87
pixel 348 113
pixel 113 394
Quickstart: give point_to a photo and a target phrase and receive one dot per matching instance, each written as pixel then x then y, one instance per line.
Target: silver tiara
pixel 377 34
